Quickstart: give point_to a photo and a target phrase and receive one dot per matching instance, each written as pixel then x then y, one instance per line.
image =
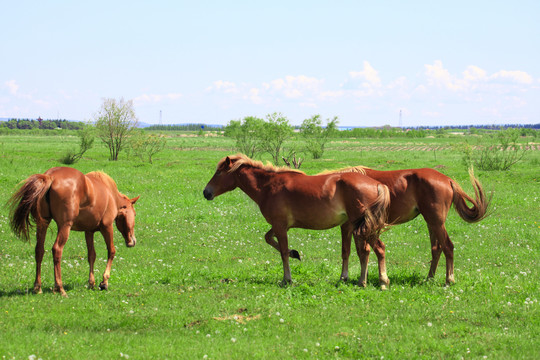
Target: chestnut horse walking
pixel 77 202
pixel 430 193
pixel 291 199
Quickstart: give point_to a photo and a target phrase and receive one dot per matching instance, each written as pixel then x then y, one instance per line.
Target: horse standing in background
pixel 76 202
pixel 291 199
pixel 430 193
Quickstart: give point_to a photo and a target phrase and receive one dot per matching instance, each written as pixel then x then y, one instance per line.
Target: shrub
pixel 86 136
pixel 501 152
pixel 145 146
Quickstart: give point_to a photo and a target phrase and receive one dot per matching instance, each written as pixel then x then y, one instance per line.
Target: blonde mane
pixel 104 178
pixel 241 159
pixel 354 169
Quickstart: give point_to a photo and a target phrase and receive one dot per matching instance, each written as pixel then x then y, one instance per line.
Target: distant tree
pixel 115 121
pixel 247 133
pixel 275 131
pixel 316 136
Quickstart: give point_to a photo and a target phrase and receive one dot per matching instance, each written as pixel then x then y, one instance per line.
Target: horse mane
pixel 353 169
pixel 104 178
pixel 241 159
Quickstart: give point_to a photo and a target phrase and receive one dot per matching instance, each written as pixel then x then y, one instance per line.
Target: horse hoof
pixel 295 254
pixel 37 290
pixel 384 287
pixel 103 287
pixel 61 291
pixel 285 283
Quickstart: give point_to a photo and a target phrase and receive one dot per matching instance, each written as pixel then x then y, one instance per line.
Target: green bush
pixel 86 136
pixel 501 151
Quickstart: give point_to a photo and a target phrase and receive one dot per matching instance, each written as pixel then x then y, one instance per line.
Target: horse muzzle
pixel 208 195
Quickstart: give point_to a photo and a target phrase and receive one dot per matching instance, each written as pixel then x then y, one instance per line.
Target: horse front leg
pixel 89 237
pixel 41 232
pixel 346 236
pixel 111 251
pixel 283 244
pixel 362 248
pixel 269 237
pixel 57 250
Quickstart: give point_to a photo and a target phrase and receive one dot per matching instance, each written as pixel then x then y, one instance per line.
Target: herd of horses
pixel 362 201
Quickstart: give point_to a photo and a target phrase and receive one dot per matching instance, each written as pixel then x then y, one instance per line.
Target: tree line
pixel 27 124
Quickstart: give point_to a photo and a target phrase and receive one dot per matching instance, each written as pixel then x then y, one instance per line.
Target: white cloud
pixel 294 87
pixel 12 86
pixel 227 87
pixel 440 77
pixel 442 90
pixel 473 77
pixel 155 98
pixel 369 75
pixel 474 73
pixel 518 77
pixel 253 96
pixel 431 114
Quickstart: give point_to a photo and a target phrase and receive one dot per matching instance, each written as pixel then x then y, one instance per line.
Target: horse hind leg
pixel 440 242
pixel 379 248
pixel 41 232
pixel 57 250
pixel 362 248
pixel 89 237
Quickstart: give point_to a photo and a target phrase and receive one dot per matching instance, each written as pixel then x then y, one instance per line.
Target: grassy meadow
pixel 202 282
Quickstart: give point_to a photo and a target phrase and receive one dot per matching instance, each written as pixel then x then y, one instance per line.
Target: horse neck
pixel 114 194
pixel 251 181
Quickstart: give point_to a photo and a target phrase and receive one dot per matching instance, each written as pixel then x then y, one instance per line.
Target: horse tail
pixel 24 203
pixel 480 203
pixel 376 215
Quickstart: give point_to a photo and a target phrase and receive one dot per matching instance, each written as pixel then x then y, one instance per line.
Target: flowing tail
pixel 480 204
pixel 24 203
pixel 374 220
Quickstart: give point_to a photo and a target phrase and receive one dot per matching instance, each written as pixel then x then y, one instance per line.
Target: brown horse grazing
pixel 427 192
pixel 77 202
pixel 291 199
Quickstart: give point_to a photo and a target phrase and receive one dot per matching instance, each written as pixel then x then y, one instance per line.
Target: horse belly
pixel 86 221
pixel 319 218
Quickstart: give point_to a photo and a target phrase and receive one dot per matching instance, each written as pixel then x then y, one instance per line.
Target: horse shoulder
pixel 100 202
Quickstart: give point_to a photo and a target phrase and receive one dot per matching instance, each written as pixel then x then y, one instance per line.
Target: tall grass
pixel 202 282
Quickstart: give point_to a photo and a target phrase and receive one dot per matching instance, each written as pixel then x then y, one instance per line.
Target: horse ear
pixel 134 200
pixel 228 161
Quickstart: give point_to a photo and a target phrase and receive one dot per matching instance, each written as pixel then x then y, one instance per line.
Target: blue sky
pixel 439 63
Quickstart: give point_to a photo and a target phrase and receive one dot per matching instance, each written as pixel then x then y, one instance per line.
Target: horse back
pixel 414 192
pixel 74 197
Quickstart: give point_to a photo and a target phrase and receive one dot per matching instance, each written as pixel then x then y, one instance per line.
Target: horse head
pixel 223 179
pixel 125 220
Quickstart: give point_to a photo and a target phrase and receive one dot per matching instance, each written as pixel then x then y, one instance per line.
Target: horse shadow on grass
pixel 30 291
pixel 407 280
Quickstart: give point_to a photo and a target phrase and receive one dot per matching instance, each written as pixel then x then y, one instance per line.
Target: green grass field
pixel 203 283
